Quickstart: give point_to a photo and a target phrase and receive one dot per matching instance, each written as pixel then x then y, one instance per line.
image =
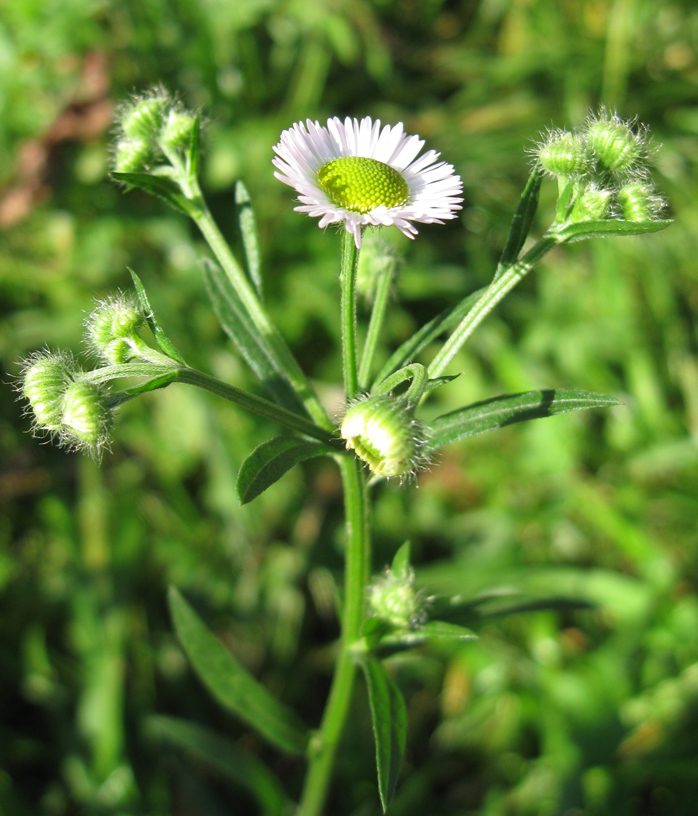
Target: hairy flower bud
pixel 383 432
pixel 614 144
pixel 178 130
pixel 86 417
pixel 132 155
pixel 638 202
pixel 592 203
pixel 145 116
pixel 563 154
pixel 394 600
pixel 112 328
pixel 45 378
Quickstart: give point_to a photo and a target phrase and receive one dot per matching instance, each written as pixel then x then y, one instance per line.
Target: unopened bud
pixel 591 204
pixel 45 378
pixel 178 130
pixel 133 155
pixel 394 600
pixel 383 432
pixel 614 144
pixel 145 116
pixel 638 202
pixel 112 328
pixel 563 154
pixel 86 417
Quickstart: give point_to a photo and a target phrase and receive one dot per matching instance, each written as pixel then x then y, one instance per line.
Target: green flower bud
pixel 145 116
pixel 86 417
pixel 393 600
pixel 112 328
pixel 383 432
pixel 563 154
pixel 45 378
pixel 592 203
pixel 133 155
pixel 638 202
pixel 178 131
pixel 614 144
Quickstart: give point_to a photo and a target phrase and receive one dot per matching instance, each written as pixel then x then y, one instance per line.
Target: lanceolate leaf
pixel 238 325
pixel 521 223
pixel 427 334
pixel 248 232
pixel 607 227
pixel 393 643
pixel 401 566
pixel 231 684
pixel 269 461
pixel 161 338
pixel 496 413
pixel 224 757
pixel 389 716
pixel 163 188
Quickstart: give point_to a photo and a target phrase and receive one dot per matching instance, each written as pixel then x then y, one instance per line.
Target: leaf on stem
pixel 269 461
pixel 248 232
pixel 224 757
pixel 164 343
pixel 427 334
pixel 401 567
pixel 521 223
pixel 162 188
pixel 238 325
pixel 609 227
pixel 384 645
pixel 496 413
pixel 231 684
pixel 389 716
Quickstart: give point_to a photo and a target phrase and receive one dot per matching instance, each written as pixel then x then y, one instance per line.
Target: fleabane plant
pixel 361 176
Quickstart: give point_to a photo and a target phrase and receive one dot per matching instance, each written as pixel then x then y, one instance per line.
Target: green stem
pixel 356 576
pixel 347 275
pixel 375 325
pixel 260 406
pixel 284 361
pixel 499 288
pixel 416 372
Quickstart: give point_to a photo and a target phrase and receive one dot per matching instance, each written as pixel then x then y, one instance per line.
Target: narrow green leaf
pixel 472 611
pixel 162 188
pixel 231 684
pixel 521 223
pixel 437 382
pixel 610 227
pixel 224 757
pixel 386 644
pixel 238 325
pixel 507 410
pixel 163 341
pixel 427 334
pixel 269 461
pixel 401 567
pixel 194 152
pixel 248 232
pixel 565 202
pixel 389 716
pixel 152 385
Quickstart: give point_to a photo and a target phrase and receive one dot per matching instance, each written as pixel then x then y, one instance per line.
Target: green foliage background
pixel 592 712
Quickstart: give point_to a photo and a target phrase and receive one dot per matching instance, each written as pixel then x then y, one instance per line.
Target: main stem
pixel 357 565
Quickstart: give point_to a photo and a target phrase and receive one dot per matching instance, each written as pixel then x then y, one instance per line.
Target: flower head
pixel 357 173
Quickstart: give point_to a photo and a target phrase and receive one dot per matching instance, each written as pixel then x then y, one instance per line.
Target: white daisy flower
pixel 363 175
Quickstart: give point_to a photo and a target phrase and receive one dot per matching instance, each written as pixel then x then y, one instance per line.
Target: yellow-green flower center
pixel 360 185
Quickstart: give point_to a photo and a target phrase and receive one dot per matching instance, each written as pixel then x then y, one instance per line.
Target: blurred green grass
pixel 592 712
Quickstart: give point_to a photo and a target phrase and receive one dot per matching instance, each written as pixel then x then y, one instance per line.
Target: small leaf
pixel 401 561
pixel 194 152
pixel 437 382
pixel 269 461
pixel 497 605
pixel 389 716
pixel 248 232
pixel 392 643
pixel 427 334
pixel 610 227
pixel 163 341
pixel 231 684
pixel 521 223
pixel 507 410
pixel 162 188
pixel 224 757
pixel 237 324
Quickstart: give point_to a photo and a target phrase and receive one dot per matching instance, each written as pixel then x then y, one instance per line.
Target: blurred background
pixel 549 712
